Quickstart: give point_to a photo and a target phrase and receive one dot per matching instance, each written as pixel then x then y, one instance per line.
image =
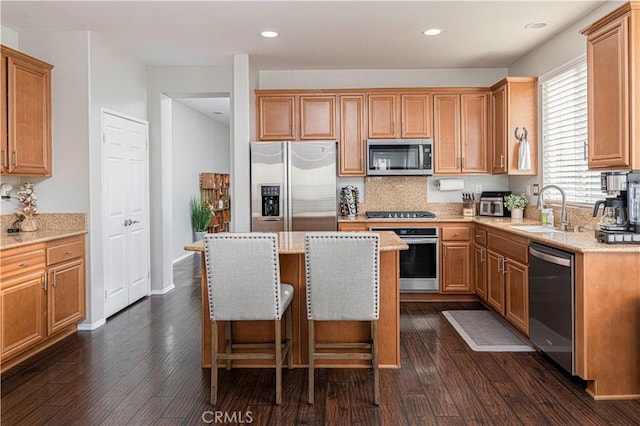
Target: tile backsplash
pixel 403 193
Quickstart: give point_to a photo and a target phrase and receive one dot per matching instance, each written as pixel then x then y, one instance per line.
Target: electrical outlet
pixel 528 191
pixel 478 187
pixel 536 189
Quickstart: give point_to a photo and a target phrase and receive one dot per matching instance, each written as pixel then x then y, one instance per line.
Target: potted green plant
pixel 200 216
pixel 515 204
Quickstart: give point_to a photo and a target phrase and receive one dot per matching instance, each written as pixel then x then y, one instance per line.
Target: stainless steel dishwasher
pixel 551 303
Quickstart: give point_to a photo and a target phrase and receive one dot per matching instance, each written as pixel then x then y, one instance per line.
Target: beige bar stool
pixel 342 285
pixel 243 280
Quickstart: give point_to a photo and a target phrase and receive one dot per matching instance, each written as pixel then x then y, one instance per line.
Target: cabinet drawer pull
pixel 67 253
pixel 44 282
pixel 24 265
pixel 500 264
pixel 504 267
pixel 53 282
pixel 15 158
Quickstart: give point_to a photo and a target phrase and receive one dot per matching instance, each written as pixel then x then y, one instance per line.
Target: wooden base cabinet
pixel 480 262
pixel 613 87
pixel 508 278
pixel 455 264
pixel 25 125
pixel 517 295
pixel 42 296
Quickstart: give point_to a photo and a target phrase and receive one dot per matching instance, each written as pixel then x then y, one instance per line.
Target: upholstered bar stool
pixel 342 285
pixel 243 280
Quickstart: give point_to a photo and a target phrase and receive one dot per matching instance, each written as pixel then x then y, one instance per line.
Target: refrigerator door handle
pixel 288 225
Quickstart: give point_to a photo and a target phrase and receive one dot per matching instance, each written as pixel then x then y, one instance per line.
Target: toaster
pixel 492 204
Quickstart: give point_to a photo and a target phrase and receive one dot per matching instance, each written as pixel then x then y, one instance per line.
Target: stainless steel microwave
pixel 399 157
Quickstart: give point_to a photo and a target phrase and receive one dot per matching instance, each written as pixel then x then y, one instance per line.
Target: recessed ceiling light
pixel 269 34
pixel 432 32
pixel 535 25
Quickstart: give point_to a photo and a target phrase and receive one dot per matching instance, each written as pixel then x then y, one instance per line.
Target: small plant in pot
pixel 200 216
pixel 515 204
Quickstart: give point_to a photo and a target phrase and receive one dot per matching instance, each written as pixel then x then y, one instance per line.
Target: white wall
pixel 200 144
pixel 9 38
pixel 338 79
pixel 89 73
pixel 164 82
pixel 68 189
pixel 560 50
pixel 245 81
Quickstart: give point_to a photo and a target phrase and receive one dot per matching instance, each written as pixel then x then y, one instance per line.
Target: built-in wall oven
pixel 419 265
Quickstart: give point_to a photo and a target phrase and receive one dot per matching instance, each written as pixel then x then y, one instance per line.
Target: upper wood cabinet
pixel 25 124
pixel 613 75
pixel 384 116
pixel 317 117
pixel 461 133
pixel 417 115
pixel 514 105
pixel 407 115
pixel 292 116
pixel 276 118
pixel 352 135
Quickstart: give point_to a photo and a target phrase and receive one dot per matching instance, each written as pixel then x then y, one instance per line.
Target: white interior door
pixel 125 189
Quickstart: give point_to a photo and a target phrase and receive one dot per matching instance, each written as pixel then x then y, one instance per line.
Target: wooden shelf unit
pixel 215 192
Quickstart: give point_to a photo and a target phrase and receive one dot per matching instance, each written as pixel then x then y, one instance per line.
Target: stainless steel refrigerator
pixel 293 186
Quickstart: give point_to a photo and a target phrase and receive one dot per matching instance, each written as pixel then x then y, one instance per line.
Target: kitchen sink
pixel 536 229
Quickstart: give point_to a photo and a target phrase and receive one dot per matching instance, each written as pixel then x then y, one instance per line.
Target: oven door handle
pixel 419 240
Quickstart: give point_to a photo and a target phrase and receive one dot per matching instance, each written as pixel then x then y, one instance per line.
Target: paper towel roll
pixel 451 184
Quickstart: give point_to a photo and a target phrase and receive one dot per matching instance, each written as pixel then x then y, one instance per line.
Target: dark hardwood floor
pixel 143 367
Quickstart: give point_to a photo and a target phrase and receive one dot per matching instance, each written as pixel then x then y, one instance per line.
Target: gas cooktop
pixel 399 215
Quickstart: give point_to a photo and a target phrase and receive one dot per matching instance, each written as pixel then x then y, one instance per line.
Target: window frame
pixel 554 197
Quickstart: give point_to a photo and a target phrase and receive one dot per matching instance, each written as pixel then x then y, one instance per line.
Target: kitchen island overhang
pixel 292 271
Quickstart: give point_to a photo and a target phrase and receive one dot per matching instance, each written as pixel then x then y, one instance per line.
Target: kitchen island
pixel 292 271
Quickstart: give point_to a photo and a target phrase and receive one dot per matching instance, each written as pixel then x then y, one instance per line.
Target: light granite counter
pixel 293 243
pixel 581 242
pixel 51 226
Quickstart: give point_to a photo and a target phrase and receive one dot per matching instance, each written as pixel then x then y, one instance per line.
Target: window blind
pixel 564 135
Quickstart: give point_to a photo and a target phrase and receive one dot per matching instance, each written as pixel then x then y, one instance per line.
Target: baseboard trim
pixel 163 291
pixel 183 257
pixel 92 326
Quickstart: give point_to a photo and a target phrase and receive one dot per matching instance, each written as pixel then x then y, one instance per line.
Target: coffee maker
pixel 633 201
pixel 615 227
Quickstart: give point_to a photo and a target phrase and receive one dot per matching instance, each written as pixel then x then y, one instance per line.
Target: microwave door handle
pixel 421 156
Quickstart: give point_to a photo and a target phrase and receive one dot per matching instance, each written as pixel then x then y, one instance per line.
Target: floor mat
pixel 483 332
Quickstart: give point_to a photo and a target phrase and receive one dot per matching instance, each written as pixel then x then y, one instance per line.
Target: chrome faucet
pixel 564 226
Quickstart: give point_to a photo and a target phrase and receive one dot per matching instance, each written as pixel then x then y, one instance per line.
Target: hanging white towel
pixel 524 155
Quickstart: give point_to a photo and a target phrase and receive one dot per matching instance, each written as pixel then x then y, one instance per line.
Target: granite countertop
pixel 19 239
pixel 293 243
pixel 581 242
